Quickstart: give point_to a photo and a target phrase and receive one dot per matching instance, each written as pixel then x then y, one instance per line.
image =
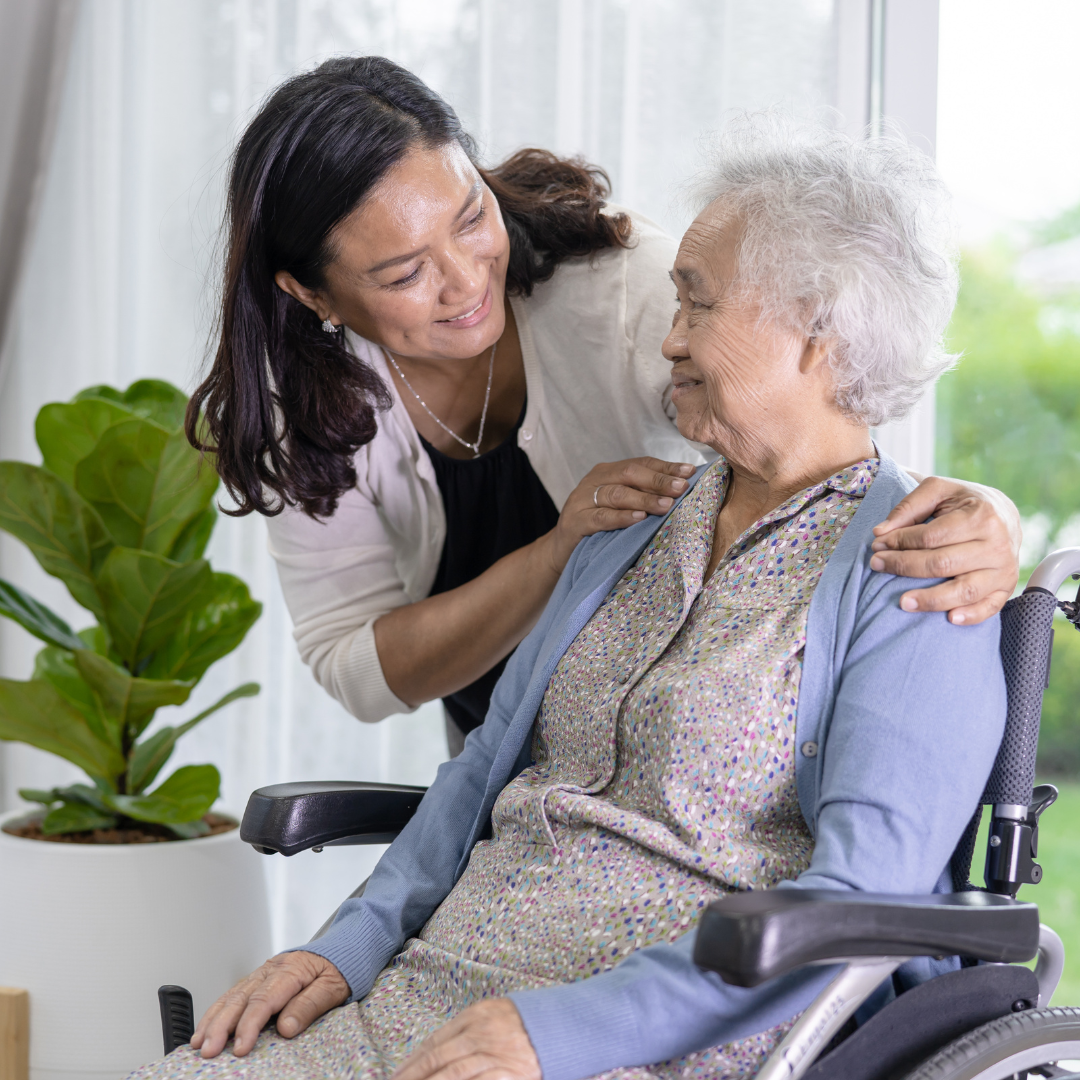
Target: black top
pixel 494 504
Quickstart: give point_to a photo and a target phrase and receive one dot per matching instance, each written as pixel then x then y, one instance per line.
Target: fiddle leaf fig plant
pixel 120 510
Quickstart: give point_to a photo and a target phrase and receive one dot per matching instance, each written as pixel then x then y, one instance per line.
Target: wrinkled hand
pixel 487 1040
pixel 974 540
pixel 299 986
pixel 625 491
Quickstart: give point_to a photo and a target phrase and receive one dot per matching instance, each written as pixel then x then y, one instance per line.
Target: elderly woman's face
pixel 738 382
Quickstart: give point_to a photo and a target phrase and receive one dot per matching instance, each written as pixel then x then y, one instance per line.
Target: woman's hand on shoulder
pixel 974 540
pixel 298 986
pixel 615 495
pixel 486 1039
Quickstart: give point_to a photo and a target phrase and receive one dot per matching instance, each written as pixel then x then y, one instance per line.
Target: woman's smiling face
pixel 737 379
pixel 420 265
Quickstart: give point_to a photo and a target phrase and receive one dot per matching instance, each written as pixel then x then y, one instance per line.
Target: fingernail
pixel 877 563
pixel 287 1025
pixel 686 470
pixel 638 515
pixel 678 485
pixel 664 501
pixel 958 617
pixel 878 545
pixel 908 603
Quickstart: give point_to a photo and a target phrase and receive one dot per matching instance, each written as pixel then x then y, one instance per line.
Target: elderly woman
pixel 726 699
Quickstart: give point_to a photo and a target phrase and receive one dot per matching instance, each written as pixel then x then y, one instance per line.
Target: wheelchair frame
pixel 741 936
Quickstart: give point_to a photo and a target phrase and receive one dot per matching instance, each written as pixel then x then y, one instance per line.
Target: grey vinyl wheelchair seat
pixel 989 1020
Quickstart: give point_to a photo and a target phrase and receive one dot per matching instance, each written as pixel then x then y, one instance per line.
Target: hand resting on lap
pixel 298 986
pixel 487 1039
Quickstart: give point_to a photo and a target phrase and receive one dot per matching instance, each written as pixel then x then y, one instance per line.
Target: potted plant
pixel 114 886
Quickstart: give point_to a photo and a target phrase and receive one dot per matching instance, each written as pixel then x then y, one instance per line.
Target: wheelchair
pixel 989 1020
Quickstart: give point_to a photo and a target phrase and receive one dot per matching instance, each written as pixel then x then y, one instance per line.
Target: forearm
pixel 439 645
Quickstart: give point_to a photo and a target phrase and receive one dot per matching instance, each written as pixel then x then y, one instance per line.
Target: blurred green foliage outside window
pixel 1009 415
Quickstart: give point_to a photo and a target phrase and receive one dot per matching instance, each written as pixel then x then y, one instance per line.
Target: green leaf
pixel 75 817
pixel 207 632
pixel 66 433
pixel 184 797
pixel 62 530
pixel 189 830
pixel 152 398
pixel 146 599
pixel 158 401
pixel 85 795
pixel 58 668
pixel 149 757
pixel 97 639
pixel 130 701
pixel 37 714
pixel 193 537
pixel 44 624
pixel 100 390
pixel 146 484
pixel 46 798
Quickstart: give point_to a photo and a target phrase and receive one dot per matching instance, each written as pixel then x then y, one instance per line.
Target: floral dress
pixel 663 778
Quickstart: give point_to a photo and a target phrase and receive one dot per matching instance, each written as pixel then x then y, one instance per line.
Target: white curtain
pixel 120 276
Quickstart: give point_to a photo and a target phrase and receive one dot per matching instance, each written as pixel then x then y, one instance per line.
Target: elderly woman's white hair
pixel 848 239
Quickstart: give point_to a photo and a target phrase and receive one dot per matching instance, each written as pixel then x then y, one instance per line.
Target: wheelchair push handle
pixel 1027 636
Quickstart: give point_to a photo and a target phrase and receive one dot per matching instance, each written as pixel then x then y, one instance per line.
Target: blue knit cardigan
pixel 899 717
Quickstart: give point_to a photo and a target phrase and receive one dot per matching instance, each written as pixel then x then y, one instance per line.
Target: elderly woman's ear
pixel 818 352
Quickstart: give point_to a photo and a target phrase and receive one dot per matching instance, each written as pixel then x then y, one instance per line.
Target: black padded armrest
pixel 749 937
pixel 288 818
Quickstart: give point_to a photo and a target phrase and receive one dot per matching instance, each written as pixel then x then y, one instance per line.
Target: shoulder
pixel 603 282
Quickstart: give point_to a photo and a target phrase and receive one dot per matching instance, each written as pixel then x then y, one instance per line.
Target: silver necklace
pixel 474 447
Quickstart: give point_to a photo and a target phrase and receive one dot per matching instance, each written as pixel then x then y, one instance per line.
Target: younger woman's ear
pixel 287 283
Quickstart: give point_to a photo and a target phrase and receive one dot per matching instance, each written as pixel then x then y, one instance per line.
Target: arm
pixel 378 653
pixel 973 539
pixel 413 876
pixel 915 726
pixel 436 646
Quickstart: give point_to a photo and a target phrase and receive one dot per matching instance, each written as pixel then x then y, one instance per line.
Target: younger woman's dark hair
pixel 286 406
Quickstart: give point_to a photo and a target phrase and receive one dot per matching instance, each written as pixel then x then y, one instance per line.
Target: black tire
pixel 1003 1048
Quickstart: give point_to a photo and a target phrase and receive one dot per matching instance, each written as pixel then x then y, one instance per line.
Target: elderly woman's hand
pixel 298 986
pixel 614 495
pixel 487 1039
pixel 973 539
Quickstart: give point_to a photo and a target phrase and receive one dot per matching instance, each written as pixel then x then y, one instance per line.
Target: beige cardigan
pixel 598 390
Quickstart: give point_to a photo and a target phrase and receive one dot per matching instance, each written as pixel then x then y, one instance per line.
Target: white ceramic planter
pixel 91 931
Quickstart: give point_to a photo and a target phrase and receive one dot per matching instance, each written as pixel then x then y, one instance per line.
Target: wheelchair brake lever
pixel 1014 844
pixel 1071 608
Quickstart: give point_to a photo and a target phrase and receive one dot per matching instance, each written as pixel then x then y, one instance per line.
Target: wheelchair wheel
pixel 1026 1046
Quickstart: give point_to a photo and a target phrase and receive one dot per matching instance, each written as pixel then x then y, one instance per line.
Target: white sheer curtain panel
pixel 120 278
pixel 35 40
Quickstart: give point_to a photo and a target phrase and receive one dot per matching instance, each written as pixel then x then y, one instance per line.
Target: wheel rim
pixel 1023 1061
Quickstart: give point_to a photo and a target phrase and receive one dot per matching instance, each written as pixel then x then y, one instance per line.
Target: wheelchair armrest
pixel 749 937
pixel 288 818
